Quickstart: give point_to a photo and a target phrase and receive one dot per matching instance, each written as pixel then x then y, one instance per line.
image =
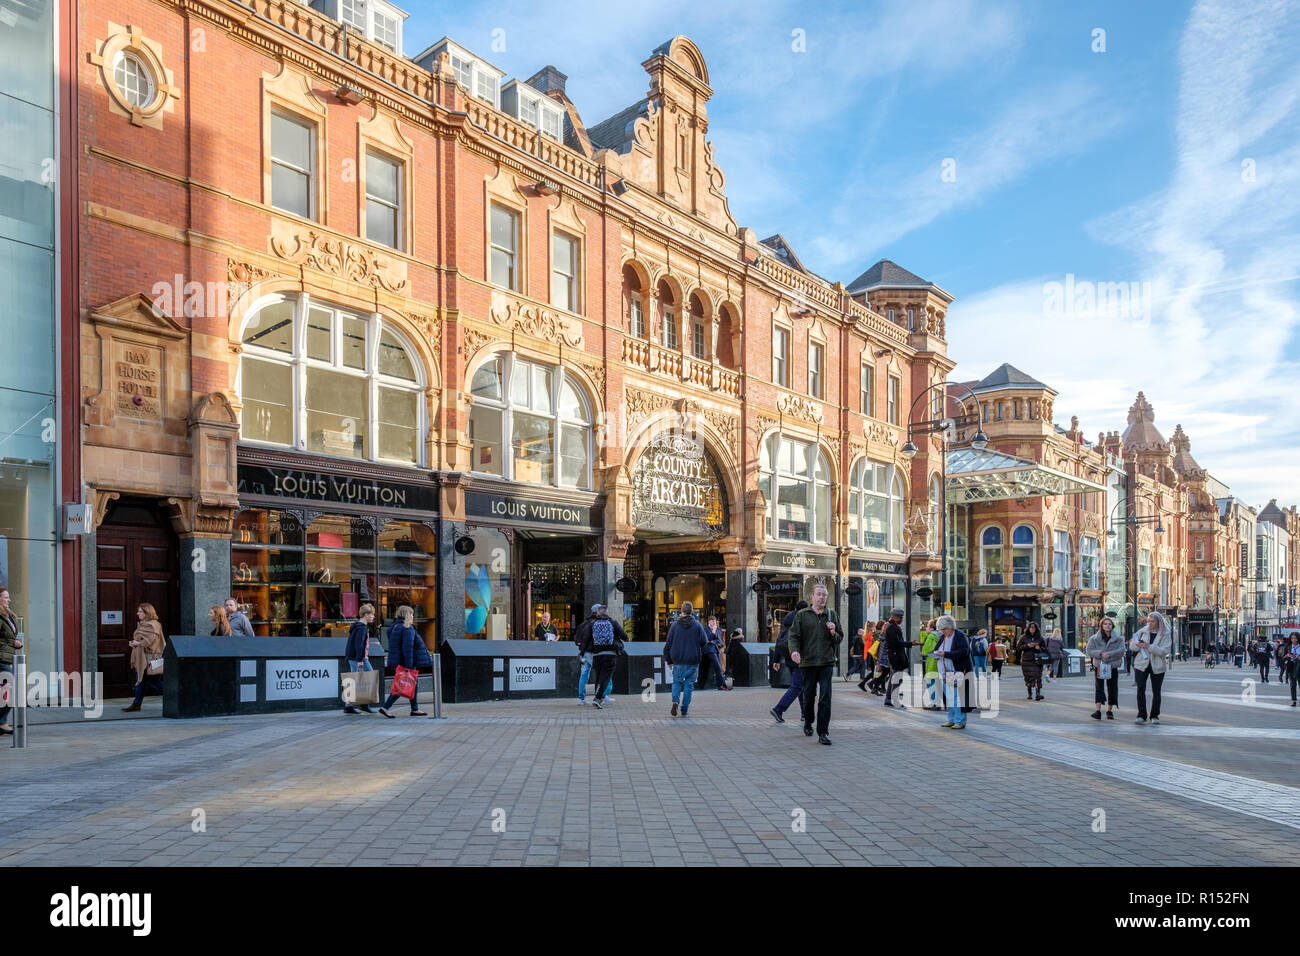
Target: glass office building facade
pixel 28 326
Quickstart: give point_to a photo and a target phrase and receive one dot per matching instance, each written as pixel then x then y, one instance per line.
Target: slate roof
pixel 783 252
pixel 1273 514
pixel 614 132
pixel 886 273
pixel 1006 375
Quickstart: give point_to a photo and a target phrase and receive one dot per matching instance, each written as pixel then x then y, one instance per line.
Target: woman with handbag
pixel 1031 651
pixel 147 646
pixel 407 653
pixel 1105 649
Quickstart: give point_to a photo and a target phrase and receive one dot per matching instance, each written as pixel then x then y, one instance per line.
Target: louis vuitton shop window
pixel 311 546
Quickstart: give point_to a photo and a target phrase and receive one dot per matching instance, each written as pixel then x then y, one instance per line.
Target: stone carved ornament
pixel 538 321
pixel 337 257
pixel 796 406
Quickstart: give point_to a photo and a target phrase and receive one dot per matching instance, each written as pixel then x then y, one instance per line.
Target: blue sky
pixel 1169 163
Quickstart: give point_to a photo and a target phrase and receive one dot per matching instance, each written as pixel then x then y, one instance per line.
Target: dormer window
pixel 529 106
pixel 480 78
pixel 464 71
pixel 377 20
pixel 485 87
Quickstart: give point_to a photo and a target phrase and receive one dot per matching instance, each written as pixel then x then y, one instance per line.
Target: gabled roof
pixel 614 132
pixel 1007 375
pixel 1273 514
pixel 783 251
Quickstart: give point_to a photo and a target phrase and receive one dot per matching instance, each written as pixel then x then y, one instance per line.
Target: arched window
pixel 699 330
pixel 936 512
pixel 1022 555
pixel 875 506
pixel 543 415
pixel 634 297
pixel 991 556
pixel 667 317
pixel 331 381
pixel 796 480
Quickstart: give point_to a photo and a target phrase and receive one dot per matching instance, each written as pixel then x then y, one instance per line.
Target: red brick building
pixel 360 327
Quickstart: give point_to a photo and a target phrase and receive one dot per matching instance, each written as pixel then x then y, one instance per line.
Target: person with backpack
pixel 587 663
pixel 406 649
pixel 979 651
pixel 683 650
pixel 603 639
pixel 815 638
pixel 795 690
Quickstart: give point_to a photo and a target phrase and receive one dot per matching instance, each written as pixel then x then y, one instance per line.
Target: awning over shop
pixel 986 475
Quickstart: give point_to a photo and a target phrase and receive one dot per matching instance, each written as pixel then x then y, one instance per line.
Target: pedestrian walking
pixel 1238 652
pixel 147 645
pixel 10 644
pixel 716 639
pixel 929 641
pixel 815 638
pixel 587 661
pixel 1291 663
pixel 1055 654
pixel 683 651
pixel 220 625
pixel 953 657
pixel 897 650
pixel 1151 646
pixel 1263 653
pixel 357 650
pixel 603 640
pixel 545 629
pixel 1105 649
pixel 240 625
pixel 1031 652
pixel 979 652
pixel 857 653
pixel 406 649
pixel 795 690
pixel 998 655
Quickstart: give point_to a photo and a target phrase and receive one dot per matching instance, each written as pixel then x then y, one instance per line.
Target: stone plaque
pixel 137 381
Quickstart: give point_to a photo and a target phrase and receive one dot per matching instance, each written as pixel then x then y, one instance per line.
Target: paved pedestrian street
pixel 550 783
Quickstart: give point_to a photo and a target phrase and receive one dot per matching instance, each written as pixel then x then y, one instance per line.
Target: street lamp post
pixel 940 425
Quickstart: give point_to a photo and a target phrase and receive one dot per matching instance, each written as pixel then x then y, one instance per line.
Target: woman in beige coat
pixel 147 643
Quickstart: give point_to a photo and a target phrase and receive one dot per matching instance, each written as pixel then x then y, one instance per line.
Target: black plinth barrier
pixel 640 662
pixel 477 670
pixel 779 678
pixel 219 676
pixel 749 663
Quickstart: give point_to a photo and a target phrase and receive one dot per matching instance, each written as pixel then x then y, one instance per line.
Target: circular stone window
pixel 134 79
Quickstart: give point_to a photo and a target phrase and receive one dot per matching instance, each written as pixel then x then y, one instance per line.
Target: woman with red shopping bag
pixel 407 653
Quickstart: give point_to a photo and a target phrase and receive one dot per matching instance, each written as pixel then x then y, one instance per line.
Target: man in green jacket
pixel 814 645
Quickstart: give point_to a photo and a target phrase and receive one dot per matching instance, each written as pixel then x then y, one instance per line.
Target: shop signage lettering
pixel 531 674
pixel 800 560
pixel 484 505
pixel 136 374
pixel 313 486
pixel 674 486
pixel 867 566
pixel 302 680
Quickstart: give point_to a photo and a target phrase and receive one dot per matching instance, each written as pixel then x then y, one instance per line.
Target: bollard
pixel 20 700
pixel 437 686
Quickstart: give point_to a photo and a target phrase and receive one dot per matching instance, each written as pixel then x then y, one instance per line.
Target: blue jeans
pixel 980 662
pixel 582 681
pixel 795 691
pixel 954 705
pixel 355 666
pixel 683 683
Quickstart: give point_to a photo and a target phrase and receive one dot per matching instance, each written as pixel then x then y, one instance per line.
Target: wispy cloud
pixel 1219 246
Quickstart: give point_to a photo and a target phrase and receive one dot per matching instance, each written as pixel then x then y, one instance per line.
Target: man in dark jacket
pixel 897 650
pixel 795 690
pixel 814 645
pixel 603 639
pixel 717 637
pixel 683 650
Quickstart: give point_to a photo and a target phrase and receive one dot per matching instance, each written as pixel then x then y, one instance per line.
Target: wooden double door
pixel 136 563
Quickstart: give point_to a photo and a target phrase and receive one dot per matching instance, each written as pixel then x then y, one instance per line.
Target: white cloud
pixel 1219 354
